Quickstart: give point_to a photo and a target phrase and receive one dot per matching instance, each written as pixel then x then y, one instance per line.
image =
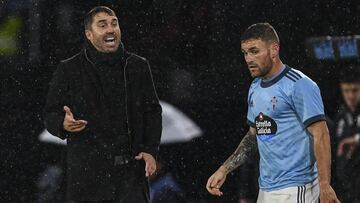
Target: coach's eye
pixel 254 52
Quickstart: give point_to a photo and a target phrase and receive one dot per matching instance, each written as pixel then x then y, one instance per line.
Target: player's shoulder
pixel 294 76
pixel 255 83
pixel 299 80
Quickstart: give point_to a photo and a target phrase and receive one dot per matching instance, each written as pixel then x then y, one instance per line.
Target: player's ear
pixel 274 50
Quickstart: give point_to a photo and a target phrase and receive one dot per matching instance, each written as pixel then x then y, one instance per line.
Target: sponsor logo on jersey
pixel 266 127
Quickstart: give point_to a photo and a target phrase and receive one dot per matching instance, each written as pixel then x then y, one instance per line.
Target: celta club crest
pixel 273 101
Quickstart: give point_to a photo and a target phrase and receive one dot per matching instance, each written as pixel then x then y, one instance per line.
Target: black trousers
pixel 131 185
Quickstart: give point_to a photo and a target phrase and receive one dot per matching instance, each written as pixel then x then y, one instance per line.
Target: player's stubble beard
pixel 265 70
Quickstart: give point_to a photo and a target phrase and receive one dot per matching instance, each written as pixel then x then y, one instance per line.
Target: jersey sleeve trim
pixel 314 119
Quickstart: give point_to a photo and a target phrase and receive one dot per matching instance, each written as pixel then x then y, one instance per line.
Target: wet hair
pixel 262 31
pixel 350 74
pixel 88 20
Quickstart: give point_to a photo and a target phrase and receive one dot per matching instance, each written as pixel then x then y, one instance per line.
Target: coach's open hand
pixel 215 181
pixel 70 124
pixel 150 163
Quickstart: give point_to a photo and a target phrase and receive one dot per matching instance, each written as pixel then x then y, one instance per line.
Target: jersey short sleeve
pixel 307 101
pixel 250 114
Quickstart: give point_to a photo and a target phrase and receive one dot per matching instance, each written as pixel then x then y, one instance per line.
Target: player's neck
pixel 277 66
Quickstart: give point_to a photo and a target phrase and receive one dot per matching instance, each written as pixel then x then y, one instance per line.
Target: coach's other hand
pixel 150 163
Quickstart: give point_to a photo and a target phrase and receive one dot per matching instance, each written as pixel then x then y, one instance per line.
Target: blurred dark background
pixel 194 50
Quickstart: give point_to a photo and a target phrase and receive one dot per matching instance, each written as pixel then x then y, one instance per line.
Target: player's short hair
pixel 350 74
pixel 88 20
pixel 262 31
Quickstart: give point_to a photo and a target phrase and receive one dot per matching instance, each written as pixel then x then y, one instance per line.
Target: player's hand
pixel 70 124
pixel 350 143
pixel 327 194
pixel 150 163
pixel 215 182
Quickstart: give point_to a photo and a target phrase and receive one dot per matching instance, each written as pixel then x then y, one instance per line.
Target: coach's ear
pixel 88 34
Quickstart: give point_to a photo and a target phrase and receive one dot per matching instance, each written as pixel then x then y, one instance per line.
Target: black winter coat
pixel 347 170
pixel 90 153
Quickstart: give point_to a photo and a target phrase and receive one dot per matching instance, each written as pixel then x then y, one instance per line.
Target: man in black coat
pixel 103 101
pixel 348 136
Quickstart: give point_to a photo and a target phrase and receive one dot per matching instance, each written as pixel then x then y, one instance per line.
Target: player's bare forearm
pixel 247 148
pixel 322 150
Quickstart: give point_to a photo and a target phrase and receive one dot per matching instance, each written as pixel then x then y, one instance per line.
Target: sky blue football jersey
pixel 280 109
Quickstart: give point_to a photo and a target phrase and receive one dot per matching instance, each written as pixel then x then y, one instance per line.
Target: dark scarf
pixel 108 59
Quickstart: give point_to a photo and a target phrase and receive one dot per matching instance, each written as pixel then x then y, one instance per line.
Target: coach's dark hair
pixel 262 31
pixel 90 16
